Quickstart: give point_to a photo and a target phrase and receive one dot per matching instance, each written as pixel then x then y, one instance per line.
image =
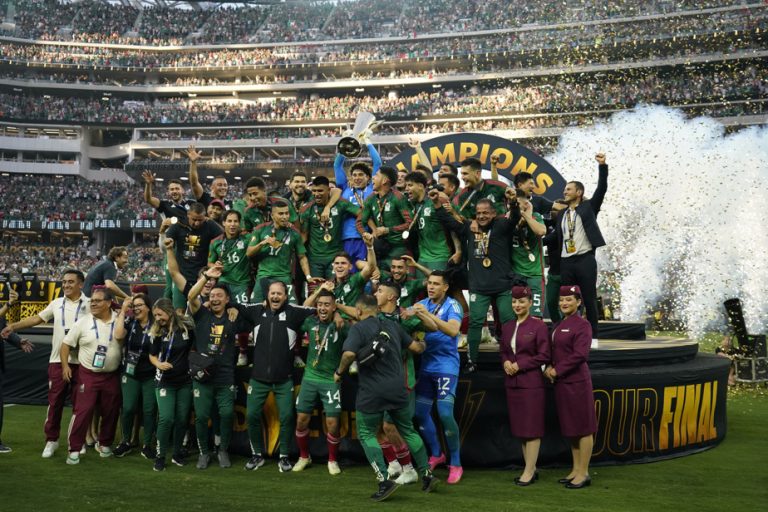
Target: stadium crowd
pixel 566 95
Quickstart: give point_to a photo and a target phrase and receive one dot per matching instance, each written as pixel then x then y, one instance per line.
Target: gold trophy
pixel 350 144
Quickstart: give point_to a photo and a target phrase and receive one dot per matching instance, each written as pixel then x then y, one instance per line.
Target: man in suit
pixel 578 236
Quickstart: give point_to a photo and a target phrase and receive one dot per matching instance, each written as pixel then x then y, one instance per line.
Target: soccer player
pixel 356 190
pixel 321 226
pixel 411 288
pixel 439 372
pixel 386 214
pixel 175 205
pixel 476 188
pixel 193 242
pixel 381 390
pixel 219 185
pixel 259 209
pixel 298 194
pixel 450 184
pixel 527 257
pixel 65 312
pixel 230 249
pixel 489 266
pixel 325 344
pixel 275 244
pixel 432 242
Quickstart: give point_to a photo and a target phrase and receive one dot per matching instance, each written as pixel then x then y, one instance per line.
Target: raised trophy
pixel 350 145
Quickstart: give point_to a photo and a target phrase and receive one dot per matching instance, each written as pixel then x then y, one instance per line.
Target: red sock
pixel 333 447
pixel 302 439
pixel 403 455
pixel 389 452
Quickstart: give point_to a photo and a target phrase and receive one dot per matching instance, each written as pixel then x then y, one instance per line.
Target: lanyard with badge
pixel 407 232
pixel 163 359
pixel 132 357
pixel 482 245
pixel 570 243
pixel 77 312
pixel 100 357
pixel 382 206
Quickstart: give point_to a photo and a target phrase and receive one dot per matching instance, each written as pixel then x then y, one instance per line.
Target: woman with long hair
pixel 571 340
pixel 138 378
pixel 524 349
pixel 172 337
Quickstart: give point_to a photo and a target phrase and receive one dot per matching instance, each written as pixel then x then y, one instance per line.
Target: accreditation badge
pixel 570 246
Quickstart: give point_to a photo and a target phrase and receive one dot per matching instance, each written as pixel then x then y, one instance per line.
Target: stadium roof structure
pixel 198 5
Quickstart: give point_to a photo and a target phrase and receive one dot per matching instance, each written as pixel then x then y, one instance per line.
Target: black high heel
pixel 585 483
pixel 565 480
pixel 523 483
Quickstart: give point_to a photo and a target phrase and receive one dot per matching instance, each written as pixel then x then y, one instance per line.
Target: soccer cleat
pixel 454 474
pixel 284 465
pixel 73 458
pixel 254 462
pixel 159 464
pixel 104 451
pixel 50 448
pixel 179 459
pixel 470 367
pixel 83 450
pixel 242 359
pixel 203 460
pixel 463 341
pixel 5 449
pixel 386 488
pixel 148 453
pixel 333 467
pixel 224 461
pixel 429 482
pixel 436 461
pixel 408 476
pixel 394 469
pixel 122 449
pixel 302 464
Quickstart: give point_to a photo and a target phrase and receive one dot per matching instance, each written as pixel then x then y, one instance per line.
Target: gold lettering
pixel 466 150
pixel 689 421
pixel 447 155
pixel 706 408
pixel 484 153
pixel 505 158
pixel 712 428
pixel 678 416
pixel 401 167
pixel 670 393
pixel 543 181
pixel 522 165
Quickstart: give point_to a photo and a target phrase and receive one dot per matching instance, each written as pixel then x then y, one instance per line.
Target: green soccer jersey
pixel 254 216
pixel 391 211
pixel 433 245
pixel 231 252
pixel 277 261
pixel 319 249
pixel 526 243
pixel 486 189
pixel 350 290
pixel 325 348
pixel 410 289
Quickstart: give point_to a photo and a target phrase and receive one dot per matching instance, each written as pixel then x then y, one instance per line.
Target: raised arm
pixel 194 179
pixel 338 171
pixel 149 179
pixel 596 201
pixel 173 265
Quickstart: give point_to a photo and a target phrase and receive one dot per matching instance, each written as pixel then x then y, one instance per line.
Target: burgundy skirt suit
pixel 571 340
pixel 526 389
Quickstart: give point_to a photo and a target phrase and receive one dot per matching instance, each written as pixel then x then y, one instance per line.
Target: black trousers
pixel 581 270
pixel 2 403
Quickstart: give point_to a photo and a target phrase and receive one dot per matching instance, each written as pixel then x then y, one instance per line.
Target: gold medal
pixel 531 257
pixel 327 237
pixel 486 262
pixel 570 246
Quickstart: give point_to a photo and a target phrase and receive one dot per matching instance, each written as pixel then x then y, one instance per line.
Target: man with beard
pixel 476 188
pixel 298 194
pixel 64 312
pixel 425 226
pixel 175 205
pixel 275 245
pixel 219 185
pixel 275 335
pixel 325 344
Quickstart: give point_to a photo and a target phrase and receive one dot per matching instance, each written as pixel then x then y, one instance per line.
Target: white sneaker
pixel 394 469
pixel 594 343
pixel 486 336
pixel 333 467
pixel 242 359
pixel 463 343
pixel 409 476
pixel 105 451
pixel 73 458
pixel 83 450
pixel 50 447
pixel 302 464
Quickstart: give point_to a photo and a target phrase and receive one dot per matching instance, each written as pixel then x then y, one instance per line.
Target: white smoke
pixel 684 216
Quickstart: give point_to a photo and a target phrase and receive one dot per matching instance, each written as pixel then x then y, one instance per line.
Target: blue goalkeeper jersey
pixel 354 196
pixel 442 353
